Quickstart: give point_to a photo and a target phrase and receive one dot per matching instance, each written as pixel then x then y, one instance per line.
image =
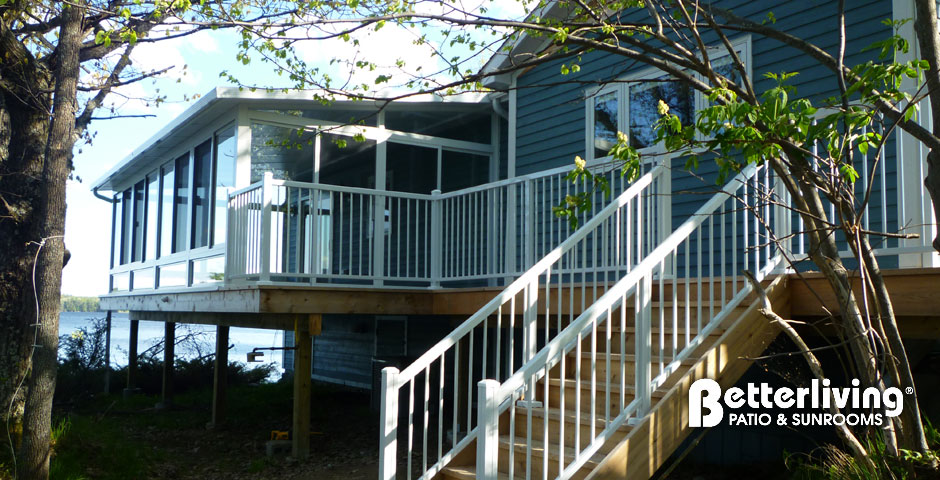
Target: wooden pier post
pixel 169 357
pixel 131 358
pixel 302 358
pixel 220 378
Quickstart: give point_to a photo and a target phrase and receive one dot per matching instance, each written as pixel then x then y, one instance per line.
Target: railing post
pixel 642 320
pixel 388 440
pixel 488 428
pixel 267 190
pixel 231 226
pixel 378 240
pixel 511 217
pixel 529 215
pixel 437 238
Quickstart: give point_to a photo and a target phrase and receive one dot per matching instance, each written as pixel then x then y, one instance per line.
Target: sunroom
pixel 295 188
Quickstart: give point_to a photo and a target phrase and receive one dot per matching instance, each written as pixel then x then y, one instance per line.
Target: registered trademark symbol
pixel 909 390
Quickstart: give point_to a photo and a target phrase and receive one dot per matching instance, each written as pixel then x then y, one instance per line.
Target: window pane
pixel 463 170
pixel 166 211
pixel 128 226
pixel 208 270
pixel 644 102
pixel 286 152
pixel 346 162
pixel 138 221
pixel 153 202
pixel 117 218
pixel 224 180
pixel 121 282
pixel 605 123
pixel 181 200
pixel 143 279
pixel 469 126
pixel 173 275
pixel 410 168
pixel 202 182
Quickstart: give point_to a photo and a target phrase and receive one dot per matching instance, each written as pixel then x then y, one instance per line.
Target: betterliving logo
pixel 706 394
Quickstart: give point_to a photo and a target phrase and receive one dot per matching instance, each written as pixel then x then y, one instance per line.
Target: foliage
pixel 832 463
pixel 81 365
pixel 79 304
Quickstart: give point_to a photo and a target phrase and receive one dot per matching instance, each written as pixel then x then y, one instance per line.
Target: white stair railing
pixel 508 330
pixel 693 278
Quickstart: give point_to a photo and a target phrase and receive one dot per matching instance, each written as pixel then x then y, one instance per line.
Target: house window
pixel 632 106
pixel 117 215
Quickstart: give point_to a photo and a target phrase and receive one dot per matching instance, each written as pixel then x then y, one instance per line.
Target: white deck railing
pixel 563 282
pixel 291 232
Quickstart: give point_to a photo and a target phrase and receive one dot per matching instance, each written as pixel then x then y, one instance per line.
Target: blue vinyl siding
pixel 550 122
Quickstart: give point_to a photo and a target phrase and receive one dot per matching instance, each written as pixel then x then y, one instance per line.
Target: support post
pixel 107 353
pixel 642 318
pixel 220 376
pixel 388 440
pixel 169 357
pixel 131 358
pixel 437 238
pixel 300 448
pixel 267 191
pixel 488 439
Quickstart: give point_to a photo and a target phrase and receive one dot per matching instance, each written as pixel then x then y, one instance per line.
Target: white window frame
pixel 621 87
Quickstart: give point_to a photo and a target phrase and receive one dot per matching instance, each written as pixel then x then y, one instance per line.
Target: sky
pixel 197 61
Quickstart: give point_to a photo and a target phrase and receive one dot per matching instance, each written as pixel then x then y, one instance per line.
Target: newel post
pixel 437 238
pixel 267 191
pixel 388 437
pixel 488 430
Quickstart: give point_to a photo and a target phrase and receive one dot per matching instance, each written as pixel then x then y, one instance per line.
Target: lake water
pixel 244 339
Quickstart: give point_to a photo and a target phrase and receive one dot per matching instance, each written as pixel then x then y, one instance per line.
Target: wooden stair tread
pixel 555 414
pixel 468 472
pixel 519 446
pixel 631 357
pixel 586 384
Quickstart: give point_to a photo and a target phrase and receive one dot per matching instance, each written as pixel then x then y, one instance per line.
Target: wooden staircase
pixel 638 448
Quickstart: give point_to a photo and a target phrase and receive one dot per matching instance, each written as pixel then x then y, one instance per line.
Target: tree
pixel 46 47
pixel 743 126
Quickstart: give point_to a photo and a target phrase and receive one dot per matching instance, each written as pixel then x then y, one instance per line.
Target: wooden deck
pixel 916 294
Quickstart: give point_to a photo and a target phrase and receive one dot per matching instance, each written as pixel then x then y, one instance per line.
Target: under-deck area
pixel 302 310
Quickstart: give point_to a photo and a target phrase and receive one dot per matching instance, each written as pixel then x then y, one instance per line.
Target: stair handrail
pixel 393 380
pixel 496 398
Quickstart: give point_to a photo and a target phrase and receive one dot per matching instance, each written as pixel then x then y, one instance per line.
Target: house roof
pixel 517 47
pixel 221 100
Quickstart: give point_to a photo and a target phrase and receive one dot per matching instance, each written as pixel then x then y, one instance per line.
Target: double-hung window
pixel 631 104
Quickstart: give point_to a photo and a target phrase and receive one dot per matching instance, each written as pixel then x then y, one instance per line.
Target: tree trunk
pixel 928 39
pixel 23 133
pixel 37 417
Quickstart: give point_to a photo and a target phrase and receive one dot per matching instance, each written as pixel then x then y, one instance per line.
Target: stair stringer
pixel 653 439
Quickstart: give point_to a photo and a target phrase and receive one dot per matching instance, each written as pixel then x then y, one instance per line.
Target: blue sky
pixel 197 61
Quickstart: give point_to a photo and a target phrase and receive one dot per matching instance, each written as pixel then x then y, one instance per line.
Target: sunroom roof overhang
pixel 222 101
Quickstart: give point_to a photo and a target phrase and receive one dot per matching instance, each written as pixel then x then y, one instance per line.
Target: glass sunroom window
pixel 225 153
pixel 153 206
pixel 202 184
pixel 127 224
pixel 181 200
pixel 285 152
pixel 166 208
pixel 117 217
